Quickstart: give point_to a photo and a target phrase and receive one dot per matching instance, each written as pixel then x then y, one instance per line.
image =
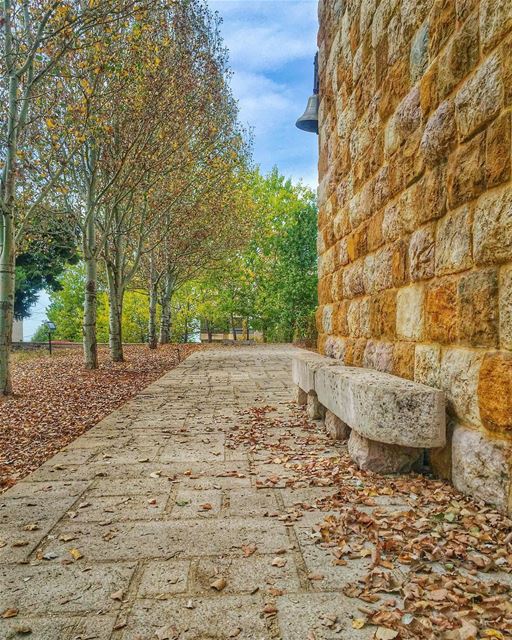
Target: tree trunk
pixel 90 309
pixel 165 321
pixel 233 328
pixel 7 257
pixel 152 340
pixel 247 331
pixel 209 331
pixel 116 298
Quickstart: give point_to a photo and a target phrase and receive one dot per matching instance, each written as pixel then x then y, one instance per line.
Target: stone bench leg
pixel 380 457
pixel 336 428
pixel 301 397
pixel 316 411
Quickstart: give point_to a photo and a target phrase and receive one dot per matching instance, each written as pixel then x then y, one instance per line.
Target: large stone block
pixel 495 392
pixel 427 364
pixel 335 427
pixel 379 457
pixel 314 408
pixel 460 372
pixel 480 467
pixel 403 360
pixel 498 149
pixel 383 315
pixel 353 283
pixel 383 407
pixel 478 308
pixel 466 171
pixel 304 368
pixel 492 227
pixel 495 21
pixel 422 253
pixel 506 307
pixel 453 242
pixel 410 312
pixel 480 98
pixel 460 56
pixel 439 136
pixel 441 311
pixel 379 356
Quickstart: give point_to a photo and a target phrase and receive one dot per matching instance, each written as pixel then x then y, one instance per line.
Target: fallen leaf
pixel 218 584
pixel 248 549
pixel 278 562
pixel 383 633
pixel 75 554
pixel 9 613
pixel 117 595
pixel 358 623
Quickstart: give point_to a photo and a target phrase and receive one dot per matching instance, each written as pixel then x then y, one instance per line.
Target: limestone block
pixel 495 21
pixel 440 458
pixel 442 23
pixel 466 171
pixel 379 356
pixel 460 369
pixel 353 284
pixel 506 307
pixel 439 136
pixel 378 270
pixel 327 318
pixel 300 396
pixel 459 57
pixel 379 457
pixel 408 114
pixel 498 149
pixel 383 407
pixel 441 311
pixel 480 468
pixel 427 364
pixel 418 59
pixel 453 242
pixel 495 392
pixel 403 360
pixel 335 427
pixel 315 410
pixel 305 366
pixel 478 308
pixel 335 348
pixel 383 315
pixel 409 312
pixel 492 227
pixel 422 253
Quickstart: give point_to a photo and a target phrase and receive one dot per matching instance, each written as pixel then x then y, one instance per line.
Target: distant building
pixel 17 331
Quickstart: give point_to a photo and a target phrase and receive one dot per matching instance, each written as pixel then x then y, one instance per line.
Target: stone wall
pixel 415 222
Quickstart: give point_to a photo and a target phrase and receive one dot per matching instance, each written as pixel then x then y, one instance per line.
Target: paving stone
pixel 164 579
pixel 54 588
pixel 194 504
pixel 211 618
pixel 97 626
pixel 252 502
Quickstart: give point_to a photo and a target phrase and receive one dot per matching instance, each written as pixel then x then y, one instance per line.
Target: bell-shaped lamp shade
pixel 309 119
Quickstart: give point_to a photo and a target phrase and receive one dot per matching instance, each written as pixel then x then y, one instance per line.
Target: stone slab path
pixel 122 533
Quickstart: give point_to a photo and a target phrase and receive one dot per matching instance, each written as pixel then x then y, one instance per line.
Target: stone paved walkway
pixel 121 535
pixel 119 498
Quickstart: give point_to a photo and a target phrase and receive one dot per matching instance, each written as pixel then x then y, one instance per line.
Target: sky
pixel 272 44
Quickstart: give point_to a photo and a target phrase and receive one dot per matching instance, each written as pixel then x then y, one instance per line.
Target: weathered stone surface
pixel 335 427
pixel 498 149
pixel 383 315
pixel 422 253
pixel 379 356
pixel 439 136
pixel 506 307
pixel 453 242
pixel 480 98
pixel 418 58
pixel 403 360
pixel 301 396
pixel 382 458
pixel 314 408
pixel 409 312
pixel 495 392
pixel 383 407
pixel 304 368
pixel 495 21
pixel 459 57
pixel 466 171
pixel 460 370
pixel 440 458
pixel 492 227
pixel 480 467
pixel 478 308
pixel 427 361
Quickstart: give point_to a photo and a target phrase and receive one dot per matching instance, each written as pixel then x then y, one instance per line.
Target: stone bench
pixel 388 421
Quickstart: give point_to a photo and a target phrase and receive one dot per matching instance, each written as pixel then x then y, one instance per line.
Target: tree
pixel 39 40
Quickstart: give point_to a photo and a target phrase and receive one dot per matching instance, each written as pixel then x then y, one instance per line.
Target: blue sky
pixel 272 44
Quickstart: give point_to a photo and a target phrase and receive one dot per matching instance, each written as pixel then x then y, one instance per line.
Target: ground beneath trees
pixel 210 508
pixel 57 400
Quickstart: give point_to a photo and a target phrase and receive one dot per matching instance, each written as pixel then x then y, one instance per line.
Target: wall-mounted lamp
pixel 309 119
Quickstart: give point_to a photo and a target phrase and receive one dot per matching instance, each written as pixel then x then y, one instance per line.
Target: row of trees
pixel 267 284
pixel 118 132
